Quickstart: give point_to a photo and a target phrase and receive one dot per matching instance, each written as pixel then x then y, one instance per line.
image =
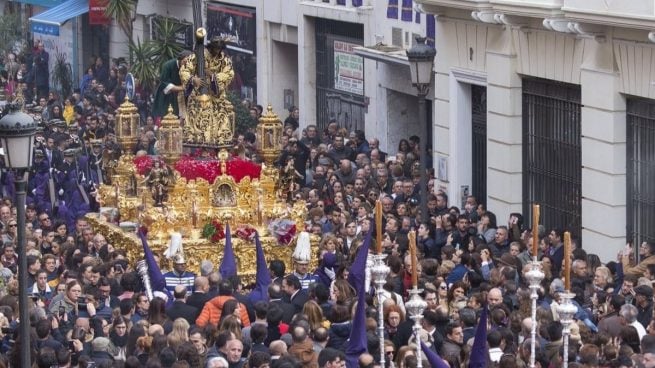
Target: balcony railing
pixel 344 3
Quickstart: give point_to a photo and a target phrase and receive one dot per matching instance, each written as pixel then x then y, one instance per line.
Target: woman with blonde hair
pixel 314 314
pixel 602 278
pixel 341 291
pixel 143 347
pixel 179 334
pixel 330 244
pixel 231 323
pixel 403 352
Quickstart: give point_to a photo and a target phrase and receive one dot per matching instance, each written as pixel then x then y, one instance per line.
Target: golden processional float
pixel 168 197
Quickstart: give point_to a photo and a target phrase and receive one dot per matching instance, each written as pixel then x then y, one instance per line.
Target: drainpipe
pixel 75 64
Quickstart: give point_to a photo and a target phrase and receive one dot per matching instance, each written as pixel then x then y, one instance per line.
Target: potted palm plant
pixel 145 64
pixel 62 75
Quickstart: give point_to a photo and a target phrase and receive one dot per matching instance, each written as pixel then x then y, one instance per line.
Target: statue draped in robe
pixel 210 115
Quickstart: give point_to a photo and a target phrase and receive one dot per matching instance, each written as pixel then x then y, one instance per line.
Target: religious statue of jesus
pixel 210 115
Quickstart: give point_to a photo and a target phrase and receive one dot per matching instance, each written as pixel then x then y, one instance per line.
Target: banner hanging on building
pixel 97 10
pixel 348 68
pixel 235 24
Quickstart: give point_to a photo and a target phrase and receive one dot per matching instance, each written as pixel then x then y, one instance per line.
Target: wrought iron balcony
pixel 342 3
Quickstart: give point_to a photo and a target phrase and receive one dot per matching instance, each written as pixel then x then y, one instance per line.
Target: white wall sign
pixel 348 68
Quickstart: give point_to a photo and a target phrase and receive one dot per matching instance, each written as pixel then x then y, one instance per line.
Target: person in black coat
pixel 44 338
pixel 297 296
pixel 179 308
pixel 200 294
pixel 102 351
pixel 340 326
pixel 276 296
pixel 273 320
pixel 40 71
pixel 258 334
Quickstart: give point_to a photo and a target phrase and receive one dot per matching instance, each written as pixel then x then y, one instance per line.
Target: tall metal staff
pixel 379 272
pixel 566 309
pixel 534 277
pixel 416 305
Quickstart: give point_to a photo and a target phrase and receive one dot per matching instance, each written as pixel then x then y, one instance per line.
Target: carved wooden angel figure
pixel 158 179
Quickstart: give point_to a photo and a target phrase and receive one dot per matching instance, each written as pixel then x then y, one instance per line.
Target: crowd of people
pixel 90 308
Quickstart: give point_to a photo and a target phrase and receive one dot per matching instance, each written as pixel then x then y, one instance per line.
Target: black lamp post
pixel 421 59
pixel 17 137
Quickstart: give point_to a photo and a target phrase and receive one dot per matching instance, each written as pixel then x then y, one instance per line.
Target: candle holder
pixel 379 272
pixel 269 132
pixel 566 310
pixel 170 137
pixel 127 126
pixel 415 307
pixel 142 269
pixel 534 277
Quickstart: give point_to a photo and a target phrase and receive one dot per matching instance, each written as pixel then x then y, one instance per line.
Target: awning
pixel 50 20
pixel 383 53
pixel 43 3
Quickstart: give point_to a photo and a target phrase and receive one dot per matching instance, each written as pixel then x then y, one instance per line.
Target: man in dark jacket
pixel 500 244
pixel 44 339
pixel 339 150
pixel 199 296
pixel 297 296
pixel 102 351
pixel 234 348
pixel 40 71
pixel 277 299
pixel 179 308
pixel 452 344
pixel 644 304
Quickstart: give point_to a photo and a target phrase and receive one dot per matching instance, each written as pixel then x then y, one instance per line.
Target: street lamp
pixel 421 59
pixel 17 131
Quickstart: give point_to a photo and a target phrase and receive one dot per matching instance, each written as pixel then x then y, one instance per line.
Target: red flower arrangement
pixel 283 230
pixel 143 164
pixel 246 232
pixel 213 231
pixel 191 168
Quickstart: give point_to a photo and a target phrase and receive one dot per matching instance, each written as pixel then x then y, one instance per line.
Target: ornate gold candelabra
pixel 269 133
pixel 127 126
pixel 170 137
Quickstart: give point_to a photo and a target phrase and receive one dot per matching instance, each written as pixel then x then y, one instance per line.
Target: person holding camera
pixel 40 289
pixel 41 71
pixel 460 236
pixel 67 303
pixel 44 329
pixel 426 241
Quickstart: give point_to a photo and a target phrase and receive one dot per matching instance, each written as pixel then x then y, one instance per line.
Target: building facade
pixel 343 60
pixel 561 94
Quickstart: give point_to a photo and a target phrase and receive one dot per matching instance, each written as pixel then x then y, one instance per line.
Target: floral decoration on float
pixel 283 230
pixel 143 164
pixel 213 231
pixel 194 166
pixel 246 232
